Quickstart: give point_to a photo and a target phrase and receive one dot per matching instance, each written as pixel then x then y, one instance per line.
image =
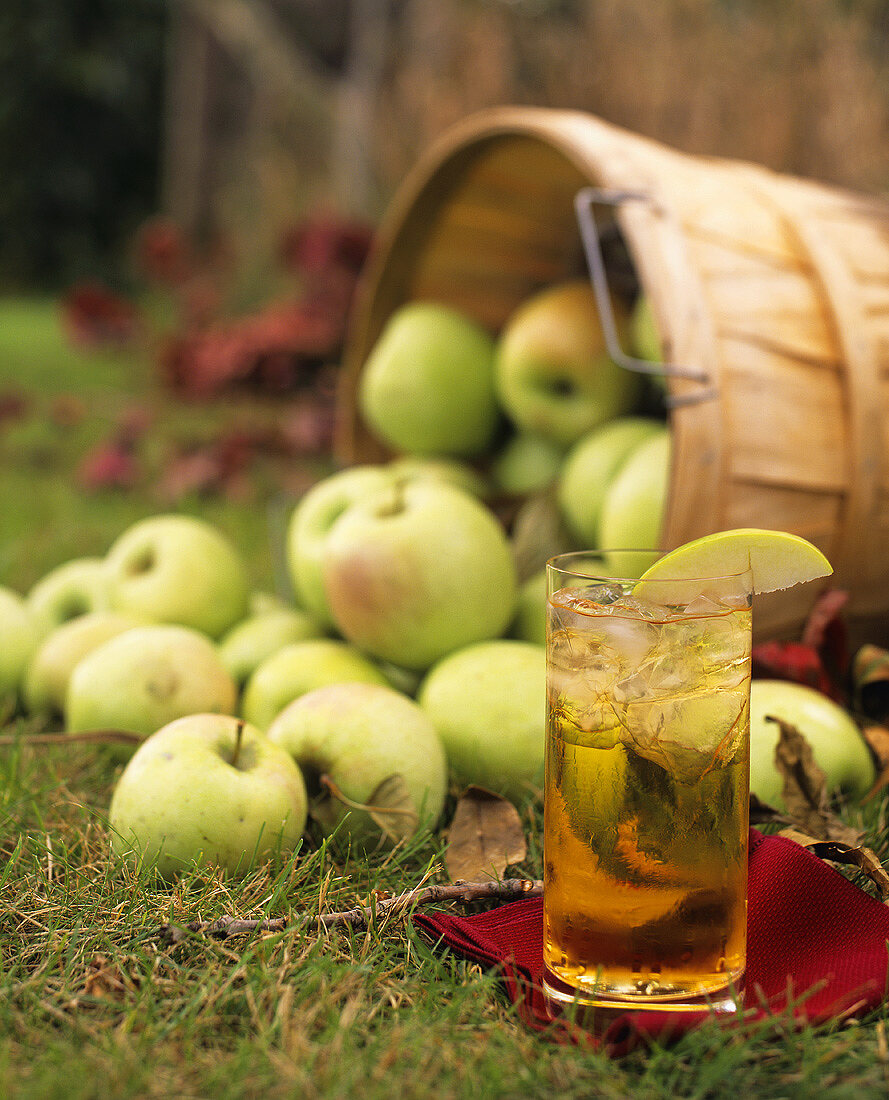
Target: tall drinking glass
pixel 647 786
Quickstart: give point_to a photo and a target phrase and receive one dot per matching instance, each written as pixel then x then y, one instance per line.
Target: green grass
pixel 93 1003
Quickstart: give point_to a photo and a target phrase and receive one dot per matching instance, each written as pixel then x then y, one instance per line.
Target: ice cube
pixel 686 734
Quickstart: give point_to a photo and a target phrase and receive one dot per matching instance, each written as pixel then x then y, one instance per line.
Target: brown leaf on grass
pixel 538 534
pixel 485 837
pixel 804 787
pixel 877 738
pixel 852 855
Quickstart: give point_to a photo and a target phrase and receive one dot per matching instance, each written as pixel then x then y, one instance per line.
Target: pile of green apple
pixel 389 675
pixel 538 406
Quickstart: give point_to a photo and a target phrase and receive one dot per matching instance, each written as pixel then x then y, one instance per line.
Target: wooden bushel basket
pixel 774 289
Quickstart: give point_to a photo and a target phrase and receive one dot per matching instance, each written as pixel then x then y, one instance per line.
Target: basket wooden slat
pixel 778 288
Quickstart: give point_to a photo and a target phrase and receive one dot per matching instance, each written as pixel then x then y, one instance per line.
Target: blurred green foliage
pixel 80 122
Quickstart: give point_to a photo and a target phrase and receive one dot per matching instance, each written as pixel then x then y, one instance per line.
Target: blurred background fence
pixel 236 116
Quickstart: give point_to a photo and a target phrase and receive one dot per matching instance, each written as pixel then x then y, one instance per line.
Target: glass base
pixel 589 1007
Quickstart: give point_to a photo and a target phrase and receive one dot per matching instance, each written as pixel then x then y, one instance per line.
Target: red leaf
pixel 96 316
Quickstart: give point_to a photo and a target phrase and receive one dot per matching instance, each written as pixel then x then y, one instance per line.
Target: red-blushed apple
pixel 526 463
pixel 178 569
pixel 529 623
pixel 488 703
pixel 45 682
pixel 840 750
pixel 418 570
pixel 299 668
pixel 311 522
pixel 207 789
pixel 20 634
pixel 145 678
pixel 71 589
pixel 427 386
pixel 634 505
pixel 374 764
pixel 591 466
pixel 553 373
pixel 251 641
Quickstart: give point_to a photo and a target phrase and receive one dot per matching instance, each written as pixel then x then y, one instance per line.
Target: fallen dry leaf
pixel 485 837
pixel 852 855
pixel 390 806
pixel 804 787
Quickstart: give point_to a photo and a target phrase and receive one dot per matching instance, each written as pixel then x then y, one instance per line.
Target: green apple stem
pixel 239 739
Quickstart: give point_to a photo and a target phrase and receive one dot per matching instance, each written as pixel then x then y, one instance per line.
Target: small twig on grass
pixel 359 917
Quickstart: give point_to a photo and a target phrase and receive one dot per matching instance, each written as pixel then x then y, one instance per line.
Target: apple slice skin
pixel 775 559
pixel 181 800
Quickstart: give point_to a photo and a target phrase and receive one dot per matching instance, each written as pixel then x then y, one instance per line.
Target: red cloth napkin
pixel 816 948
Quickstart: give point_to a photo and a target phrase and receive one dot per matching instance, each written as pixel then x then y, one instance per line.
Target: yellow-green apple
pixel 310 525
pixel 45 682
pixel 488 703
pixel 427 386
pixel 298 668
pixel 529 623
pixel 589 469
pixel 178 569
pixel 73 588
pixel 526 463
pixel 377 749
pixel 146 677
pixel 207 789
pixel 261 601
pixel 553 372
pixel 634 504
pixel 840 750
pixel 20 633
pixel 415 571
pixel 450 470
pixel 251 641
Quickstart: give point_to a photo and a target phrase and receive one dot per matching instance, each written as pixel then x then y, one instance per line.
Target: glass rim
pixel 553 564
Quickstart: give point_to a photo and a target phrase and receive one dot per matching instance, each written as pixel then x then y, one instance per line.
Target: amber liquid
pixel 646 803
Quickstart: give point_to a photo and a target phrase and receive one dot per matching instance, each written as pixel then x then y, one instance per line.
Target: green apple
pixel 529 623
pixel 74 588
pixel 207 789
pixel 178 569
pixel 147 677
pixel 428 384
pixel 251 641
pixel 837 744
pixel 553 372
pixel 450 470
pixel 310 526
pixel 20 633
pixel 298 668
pixel 488 703
pixel 633 508
pixel 261 601
pixel 378 748
pixel 45 682
pixel 589 469
pixel 526 463
pixel 418 570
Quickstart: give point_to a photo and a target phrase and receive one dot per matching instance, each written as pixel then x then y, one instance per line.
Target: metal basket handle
pixel 584 202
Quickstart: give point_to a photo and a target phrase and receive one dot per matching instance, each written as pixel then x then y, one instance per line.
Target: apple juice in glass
pixel 647 780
